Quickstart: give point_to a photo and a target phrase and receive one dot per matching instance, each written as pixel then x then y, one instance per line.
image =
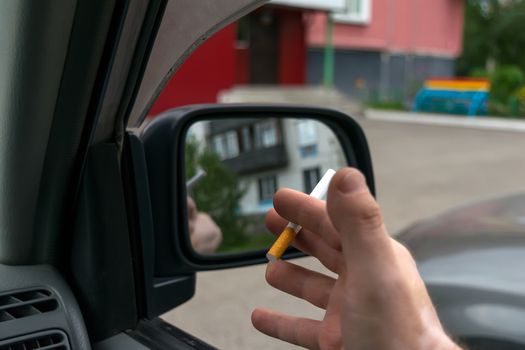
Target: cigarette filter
pixel 290 231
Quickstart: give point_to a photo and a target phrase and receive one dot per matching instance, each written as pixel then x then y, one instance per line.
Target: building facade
pixel 387 48
pixel 383 49
pixel 272 153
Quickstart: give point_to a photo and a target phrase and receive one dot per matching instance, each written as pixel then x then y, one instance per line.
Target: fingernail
pixel 352 182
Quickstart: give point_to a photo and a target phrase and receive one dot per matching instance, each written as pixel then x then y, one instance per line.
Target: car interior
pixel 96 241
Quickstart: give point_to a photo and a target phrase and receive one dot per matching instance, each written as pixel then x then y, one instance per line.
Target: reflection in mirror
pixel 234 167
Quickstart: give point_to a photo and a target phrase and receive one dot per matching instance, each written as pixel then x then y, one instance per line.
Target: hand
pixel 378 300
pixel 204 233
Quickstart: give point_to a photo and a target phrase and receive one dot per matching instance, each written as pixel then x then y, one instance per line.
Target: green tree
pixel 509 36
pixel 493 32
pixel 506 80
pixel 476 38
pixel 493 48
pixel 218 193
pixel 504 91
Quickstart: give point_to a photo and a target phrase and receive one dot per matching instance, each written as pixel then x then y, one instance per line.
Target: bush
pixel 507 93
pixel 519 96
pixel 479 73
pixel 505 82
pixel 390 104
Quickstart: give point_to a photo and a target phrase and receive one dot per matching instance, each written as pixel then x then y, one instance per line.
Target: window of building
pixel 226 145
pixel 307 138
pixel 306 133
pixel 218 145
pixel 309 151
pixel 267 187
pixel 265 134
pixel 357 12
pixel 310 178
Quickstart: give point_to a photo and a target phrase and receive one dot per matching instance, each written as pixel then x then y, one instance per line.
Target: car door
pixel 71 72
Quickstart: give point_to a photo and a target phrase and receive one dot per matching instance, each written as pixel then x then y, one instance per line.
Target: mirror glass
pixel 233 168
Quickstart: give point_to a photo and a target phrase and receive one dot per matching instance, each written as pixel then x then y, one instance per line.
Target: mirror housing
pixel 164 144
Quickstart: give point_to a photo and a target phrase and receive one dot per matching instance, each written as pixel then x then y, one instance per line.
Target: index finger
pixel 307 241
pixel 307 211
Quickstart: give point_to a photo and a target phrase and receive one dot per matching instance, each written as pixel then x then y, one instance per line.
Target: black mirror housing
pixel 164 141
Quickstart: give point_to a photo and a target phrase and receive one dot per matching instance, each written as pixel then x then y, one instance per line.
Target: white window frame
pixel 353 17
pixel 308 187
pixel 226 145
pixel 266 134
pixel 306 133
pixel 218 146
pixel 268 185
pixel 232 144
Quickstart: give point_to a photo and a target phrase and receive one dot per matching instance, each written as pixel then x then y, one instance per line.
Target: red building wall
pixel 210 69
pixel 218 65
pixel 408 26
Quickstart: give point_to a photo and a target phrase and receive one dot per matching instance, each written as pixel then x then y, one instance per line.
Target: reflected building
pixel 272 153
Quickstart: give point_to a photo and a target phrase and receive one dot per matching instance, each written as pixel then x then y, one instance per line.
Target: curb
pixel 485 123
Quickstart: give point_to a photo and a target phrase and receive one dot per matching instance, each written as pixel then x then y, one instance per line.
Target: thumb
pixel 355 214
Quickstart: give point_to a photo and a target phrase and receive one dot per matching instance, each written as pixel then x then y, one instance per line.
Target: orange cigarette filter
pixel 281 244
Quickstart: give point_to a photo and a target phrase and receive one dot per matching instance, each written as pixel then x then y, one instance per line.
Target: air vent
pixel 26 303
pixel 49 340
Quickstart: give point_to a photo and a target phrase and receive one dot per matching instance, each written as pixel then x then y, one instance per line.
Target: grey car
pixel 471 258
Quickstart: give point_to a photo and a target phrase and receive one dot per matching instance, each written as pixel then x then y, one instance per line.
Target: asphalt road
pixel 420 170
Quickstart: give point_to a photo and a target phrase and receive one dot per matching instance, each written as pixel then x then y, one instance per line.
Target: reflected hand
pixel 204 233
pixel 377 301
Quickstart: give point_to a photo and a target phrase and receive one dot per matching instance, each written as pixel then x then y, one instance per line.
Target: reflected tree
pixel 217 194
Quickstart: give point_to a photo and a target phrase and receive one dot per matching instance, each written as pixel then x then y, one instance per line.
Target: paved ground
pixel 420 170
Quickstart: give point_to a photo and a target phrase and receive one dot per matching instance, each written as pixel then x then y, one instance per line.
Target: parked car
pixel 471 259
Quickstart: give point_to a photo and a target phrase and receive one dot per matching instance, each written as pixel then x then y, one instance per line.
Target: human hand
pixel 377 301
pixel 204 233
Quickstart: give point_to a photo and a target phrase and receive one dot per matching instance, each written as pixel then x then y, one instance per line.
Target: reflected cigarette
pixel 195 179
pixel 291 230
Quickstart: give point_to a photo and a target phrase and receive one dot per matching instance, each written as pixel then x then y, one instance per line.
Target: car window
pixel 438 87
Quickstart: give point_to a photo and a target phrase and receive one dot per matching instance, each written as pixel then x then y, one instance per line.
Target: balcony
pixel 259 160
pixel 222 125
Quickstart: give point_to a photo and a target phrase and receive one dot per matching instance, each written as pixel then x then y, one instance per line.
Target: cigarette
pixel 195 179
pixel 291 230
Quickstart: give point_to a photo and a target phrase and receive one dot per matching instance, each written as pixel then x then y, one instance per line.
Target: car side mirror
pixel 224 162
pixel 217 167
